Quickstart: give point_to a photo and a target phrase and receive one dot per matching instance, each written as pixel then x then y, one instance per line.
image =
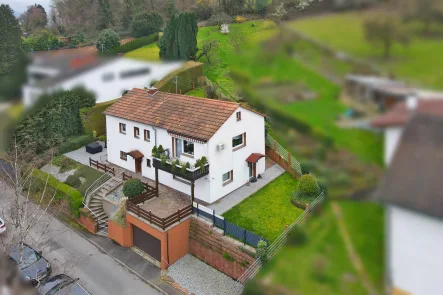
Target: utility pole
pixel 176 84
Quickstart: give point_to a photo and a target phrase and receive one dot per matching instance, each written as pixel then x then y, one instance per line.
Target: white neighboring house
pixel 107 78
pixel 393 122
pixel 413 194
pixel 231 137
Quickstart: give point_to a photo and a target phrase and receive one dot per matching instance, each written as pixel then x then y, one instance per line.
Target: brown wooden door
pixel 138 166
pixel 147 243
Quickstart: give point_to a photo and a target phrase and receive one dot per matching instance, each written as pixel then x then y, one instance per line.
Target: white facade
pixel 415 260
pixel 392 139
pixel 210 187
pixel 108 81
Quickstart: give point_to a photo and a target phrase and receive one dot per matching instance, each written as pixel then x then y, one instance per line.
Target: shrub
pixel 65 163
pixel 75 198
pixel 109 38
pixel 133 187
pixel 73 181
pixel 296 237
pixel 308 186
pixel 132 45
pixel 262 251
pixel 93 118
pixel 77 39
pixel 305 168
pixel 228 256
pixel 155 151
pixel 240 19
pixel 75 143
pixel 42 41
pixel 146 23
pixel 219 19
pixel 119 216
pixel 261 6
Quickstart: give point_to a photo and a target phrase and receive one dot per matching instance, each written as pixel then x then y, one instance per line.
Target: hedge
pixel 75 198
pixel 190 71
pixel 75 143
pixel 132 45
pixel 93 118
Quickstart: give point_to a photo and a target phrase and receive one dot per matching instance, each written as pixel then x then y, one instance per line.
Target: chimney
pixel 152 91
pixel 412 102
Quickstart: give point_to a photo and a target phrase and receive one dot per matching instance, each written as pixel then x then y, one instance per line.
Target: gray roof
pixel 414 178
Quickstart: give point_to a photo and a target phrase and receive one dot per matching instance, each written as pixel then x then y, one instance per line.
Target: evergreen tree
pixel 179 39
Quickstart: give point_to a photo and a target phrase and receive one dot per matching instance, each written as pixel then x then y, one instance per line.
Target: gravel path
pixel 201 279
pixel 55 171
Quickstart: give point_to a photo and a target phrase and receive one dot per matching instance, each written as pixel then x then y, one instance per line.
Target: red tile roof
pixel 194 117
pixel 400 113
pixel 254 157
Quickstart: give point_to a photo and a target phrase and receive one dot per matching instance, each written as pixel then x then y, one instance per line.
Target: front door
pixel 138 165
pixel 250 169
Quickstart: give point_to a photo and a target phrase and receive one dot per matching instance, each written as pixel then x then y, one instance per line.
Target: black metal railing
pixel 188 174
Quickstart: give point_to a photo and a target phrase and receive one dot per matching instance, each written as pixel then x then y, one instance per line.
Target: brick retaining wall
pixel 223 253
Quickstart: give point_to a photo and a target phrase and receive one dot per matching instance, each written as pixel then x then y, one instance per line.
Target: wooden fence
pixel 284 154
pixel 101 166
pixel 146 185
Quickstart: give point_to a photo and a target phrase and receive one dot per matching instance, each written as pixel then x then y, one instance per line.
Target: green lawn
pixel 90 174
pixel 420 62
pixel 149 52
pixel 322 265
pixel 198 92
pixel 269 210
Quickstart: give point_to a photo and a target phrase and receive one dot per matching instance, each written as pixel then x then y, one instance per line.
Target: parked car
pixel 2 226
pixel 33 266
pixel 62 284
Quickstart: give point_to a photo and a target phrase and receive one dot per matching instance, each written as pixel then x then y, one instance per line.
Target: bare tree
pixel 208 50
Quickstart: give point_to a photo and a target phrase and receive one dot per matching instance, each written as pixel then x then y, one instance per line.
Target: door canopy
pixel 254 157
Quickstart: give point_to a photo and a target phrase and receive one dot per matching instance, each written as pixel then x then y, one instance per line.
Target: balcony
pixel 191 174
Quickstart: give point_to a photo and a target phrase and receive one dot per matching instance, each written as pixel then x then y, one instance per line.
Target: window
pixel 122 128
pixel 147 135
pixel 227 177
pixel 148 162
pixel 133 73
pixel 136 132
pixel 238 114
pixel 123 156
pixel 188 147
pixel 239 141
pixel 108 77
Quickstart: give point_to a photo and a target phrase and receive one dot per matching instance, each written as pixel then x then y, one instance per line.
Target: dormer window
pixel 122 128
pixel 238 114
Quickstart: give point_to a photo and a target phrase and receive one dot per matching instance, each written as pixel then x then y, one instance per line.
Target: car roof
pixel 53 282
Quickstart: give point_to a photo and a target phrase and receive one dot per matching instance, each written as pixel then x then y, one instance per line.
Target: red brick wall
pixel 225 254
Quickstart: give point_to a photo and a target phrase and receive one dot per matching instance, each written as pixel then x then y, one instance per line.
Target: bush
pixel 77 39
pixel 132 45
pixel 73 181
pixel 133 187
pixel 240 19
pixel 109 38
pixel 75 198
pixel 296 237
pixel 119 216
pixel 308 186
pixel 65 163
pixel 262 251
pixel 261 6
pixel 146 23
pixel 93 118
pixel 75 143
pixel 42 41
pixel 219 19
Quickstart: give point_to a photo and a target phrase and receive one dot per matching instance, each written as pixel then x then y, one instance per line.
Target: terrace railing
pixel 190 174
pixel 101 166
pixel 283 153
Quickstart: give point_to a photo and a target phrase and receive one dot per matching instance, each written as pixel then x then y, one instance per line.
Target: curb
pixel 116 259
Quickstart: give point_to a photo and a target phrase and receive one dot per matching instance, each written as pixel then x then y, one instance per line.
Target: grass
pixel 198 92
pixel 419 62
pixel 269 210
pixel 90 174
pixel 65 163
pixel 149 52
pixel 300 270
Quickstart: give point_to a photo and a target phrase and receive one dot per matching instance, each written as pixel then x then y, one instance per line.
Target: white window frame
pixel 242 141
pixel 147 132
pixel 122 128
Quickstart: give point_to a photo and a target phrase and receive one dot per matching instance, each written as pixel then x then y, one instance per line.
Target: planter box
pixel 87 221
pixel 121 235
pixel 189 174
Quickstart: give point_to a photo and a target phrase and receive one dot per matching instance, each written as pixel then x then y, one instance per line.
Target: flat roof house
pixel 412 192
pixel 189 129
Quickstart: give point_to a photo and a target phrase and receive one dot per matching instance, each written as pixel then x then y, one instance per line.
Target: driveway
pixel 73 255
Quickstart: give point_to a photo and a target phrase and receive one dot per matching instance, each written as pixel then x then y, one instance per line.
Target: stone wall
pixel 223 253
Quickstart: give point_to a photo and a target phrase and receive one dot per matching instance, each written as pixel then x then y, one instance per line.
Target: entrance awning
pixel 136 154
pixel 254 157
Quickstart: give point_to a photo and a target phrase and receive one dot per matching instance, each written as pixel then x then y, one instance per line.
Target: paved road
pixel 71 254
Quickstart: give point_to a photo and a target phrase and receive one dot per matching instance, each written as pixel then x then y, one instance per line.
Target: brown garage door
pixel 147 243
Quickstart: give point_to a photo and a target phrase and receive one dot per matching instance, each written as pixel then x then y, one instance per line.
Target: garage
pixel 147 243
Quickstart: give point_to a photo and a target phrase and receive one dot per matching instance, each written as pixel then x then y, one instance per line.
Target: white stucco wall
pixel 415 258
pixel 392 139
pixel 94 81
pixel 209 188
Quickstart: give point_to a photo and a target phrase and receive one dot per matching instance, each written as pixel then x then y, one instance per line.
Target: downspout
pixel 155 136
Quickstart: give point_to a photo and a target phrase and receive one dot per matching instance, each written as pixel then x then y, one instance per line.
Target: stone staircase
pixel 96 202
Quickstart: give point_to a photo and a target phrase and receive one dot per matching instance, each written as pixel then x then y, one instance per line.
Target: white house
pixel 413 194
pixel 231 137
pixel 107 78
pixel 393 122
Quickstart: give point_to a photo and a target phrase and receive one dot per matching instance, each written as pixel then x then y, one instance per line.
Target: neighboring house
pixel 392 122
pixel 229 135
pixel 107 78
pixel 413 194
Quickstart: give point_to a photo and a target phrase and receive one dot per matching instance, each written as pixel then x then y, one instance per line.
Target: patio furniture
pixel 94 148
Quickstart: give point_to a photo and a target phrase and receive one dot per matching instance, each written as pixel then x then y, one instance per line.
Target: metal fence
pixel 255 267
pixel 228 228
pixel 282 152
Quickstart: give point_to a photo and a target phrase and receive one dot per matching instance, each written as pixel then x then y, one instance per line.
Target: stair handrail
pixel 95 215
pixel 94 186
